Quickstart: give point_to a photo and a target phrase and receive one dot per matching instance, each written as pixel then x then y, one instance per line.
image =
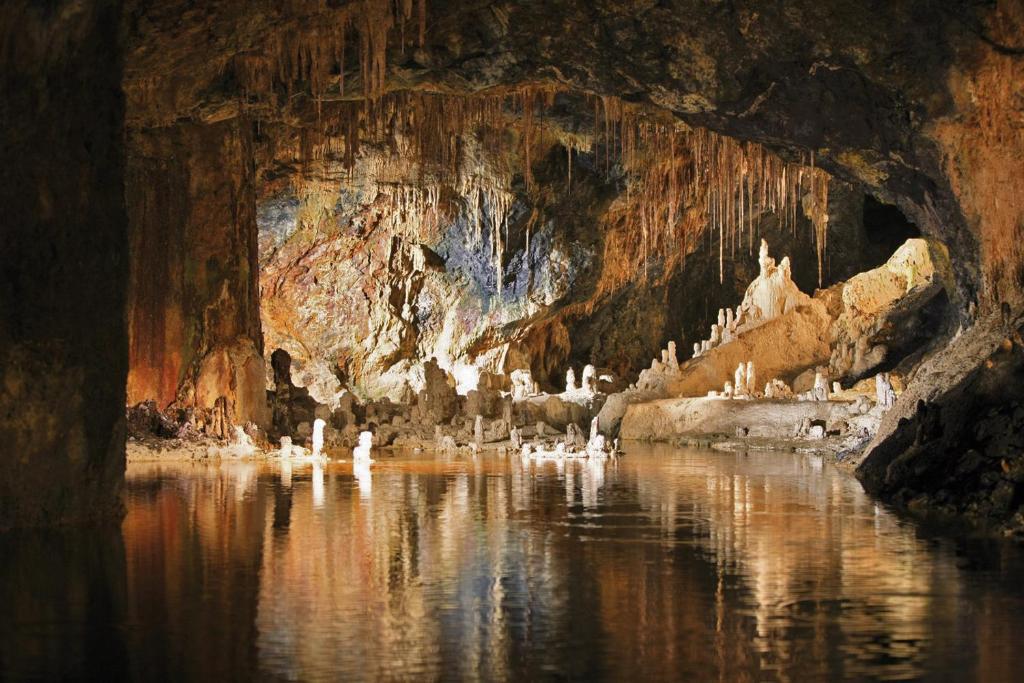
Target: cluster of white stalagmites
pixel 776 388
pixel 722 332
pixel 743 384
pixel 661 370
pixel 572 446
pixel 523 385
pixel 771 294
pixel 291 451
pixel 589 381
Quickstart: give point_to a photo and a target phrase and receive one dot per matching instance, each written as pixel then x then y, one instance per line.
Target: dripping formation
pixel 681 183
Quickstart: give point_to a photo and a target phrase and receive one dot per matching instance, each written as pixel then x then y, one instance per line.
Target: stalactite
pixel 709 182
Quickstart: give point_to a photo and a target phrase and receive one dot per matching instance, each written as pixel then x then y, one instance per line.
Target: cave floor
pixel 668 563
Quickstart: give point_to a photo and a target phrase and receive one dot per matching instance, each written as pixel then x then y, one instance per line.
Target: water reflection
pixel 666 564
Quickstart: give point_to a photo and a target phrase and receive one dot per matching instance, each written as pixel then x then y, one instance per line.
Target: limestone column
pixel 63 263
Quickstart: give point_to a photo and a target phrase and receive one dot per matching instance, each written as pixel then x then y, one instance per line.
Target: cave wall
pixel 913 99
pixel 193 302
pixel 63 263
pixel 362 280
pixel 359 301
pixel 954 443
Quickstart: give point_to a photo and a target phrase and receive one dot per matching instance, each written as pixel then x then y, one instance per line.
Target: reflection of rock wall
pixel 690 565
pixel 194 326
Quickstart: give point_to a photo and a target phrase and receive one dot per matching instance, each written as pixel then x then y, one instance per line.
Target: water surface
pixel 669 564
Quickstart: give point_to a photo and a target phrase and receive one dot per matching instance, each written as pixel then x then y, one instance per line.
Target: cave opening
pixel 885 226
pixel 412 283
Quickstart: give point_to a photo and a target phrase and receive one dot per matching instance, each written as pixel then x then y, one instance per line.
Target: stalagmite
pixel 570 380
pixel 515 437
pixel 773 291
pixel 777 389
pixel 740 380
pixel 673 358
pixel 696 349
pixel 318 437
pixel 361 453
pixel 590 379
pixel 820 390
pixel 721 317
pixel 478 430
pixel 286 447
pixel 884 393
pixel 751 379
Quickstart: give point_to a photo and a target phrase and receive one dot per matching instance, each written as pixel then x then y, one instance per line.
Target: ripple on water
pixel 666 564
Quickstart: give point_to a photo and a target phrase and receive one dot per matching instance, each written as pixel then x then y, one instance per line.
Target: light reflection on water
pixel 667 564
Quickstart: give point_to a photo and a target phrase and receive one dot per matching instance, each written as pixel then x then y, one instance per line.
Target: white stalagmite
pixel 318 437
pixel 773 291
pixel 740 380
pixel 884 393
pixel 570 380
pixel 361 453
pixel 751 379
pixel 820 390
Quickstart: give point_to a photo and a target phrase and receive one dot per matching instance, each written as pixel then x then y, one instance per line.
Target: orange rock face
pixel 194 329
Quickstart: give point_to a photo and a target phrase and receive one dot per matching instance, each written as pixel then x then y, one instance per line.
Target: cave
pixel 516 339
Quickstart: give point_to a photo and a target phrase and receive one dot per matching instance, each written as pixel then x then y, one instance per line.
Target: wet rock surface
pixel 959 449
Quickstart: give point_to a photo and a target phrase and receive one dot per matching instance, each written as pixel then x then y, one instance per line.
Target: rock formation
pixel 246 195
